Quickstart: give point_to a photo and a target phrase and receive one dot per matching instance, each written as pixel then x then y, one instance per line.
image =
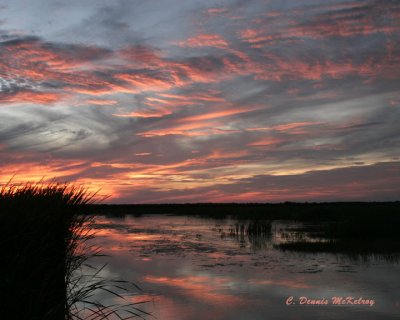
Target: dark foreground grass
pixel 43 246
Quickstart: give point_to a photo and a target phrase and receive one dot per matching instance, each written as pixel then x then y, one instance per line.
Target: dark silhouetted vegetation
pixel 358 235
pixel 352 228
pixel 267 211
pixel 256 232
pixel 42 243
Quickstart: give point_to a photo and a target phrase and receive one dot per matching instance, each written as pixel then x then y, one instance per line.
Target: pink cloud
pixel 204 40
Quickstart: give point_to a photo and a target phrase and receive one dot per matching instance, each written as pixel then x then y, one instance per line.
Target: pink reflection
pixel 289 283
pixel 206 289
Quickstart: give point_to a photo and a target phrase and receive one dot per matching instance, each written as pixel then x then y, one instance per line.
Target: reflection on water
pixel 192 268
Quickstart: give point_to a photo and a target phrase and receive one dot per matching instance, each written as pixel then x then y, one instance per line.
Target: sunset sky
pixel 203 101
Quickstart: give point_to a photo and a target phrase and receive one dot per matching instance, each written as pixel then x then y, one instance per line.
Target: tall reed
pixel 44 236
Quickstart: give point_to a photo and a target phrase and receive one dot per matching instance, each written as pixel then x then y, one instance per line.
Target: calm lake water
pixel 193 268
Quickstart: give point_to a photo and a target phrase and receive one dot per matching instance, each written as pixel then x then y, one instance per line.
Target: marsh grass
pixel 252 228
pixel 362 238
pixel 44 246
pixel 257 233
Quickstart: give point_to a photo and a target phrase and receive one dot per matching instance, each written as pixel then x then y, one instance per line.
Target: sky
pixel 203 101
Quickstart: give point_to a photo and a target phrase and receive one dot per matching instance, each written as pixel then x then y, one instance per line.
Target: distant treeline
pixel 274 211
pixel 357 229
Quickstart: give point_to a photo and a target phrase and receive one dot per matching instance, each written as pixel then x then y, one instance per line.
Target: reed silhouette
pixel 255 232
pixel 44 243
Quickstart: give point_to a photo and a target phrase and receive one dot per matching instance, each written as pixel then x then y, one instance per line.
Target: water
pixel 193 268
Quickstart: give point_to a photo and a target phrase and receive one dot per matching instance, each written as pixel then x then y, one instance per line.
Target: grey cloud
pixel 360 183
pixel 345 84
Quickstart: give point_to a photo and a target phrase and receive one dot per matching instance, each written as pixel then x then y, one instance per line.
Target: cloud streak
pixel 257 101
